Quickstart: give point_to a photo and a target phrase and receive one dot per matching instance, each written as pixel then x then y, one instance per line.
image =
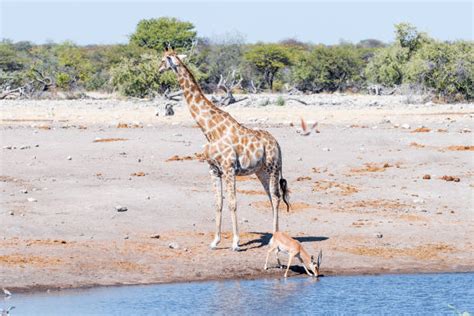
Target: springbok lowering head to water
pixel 231 150
pixel 283 242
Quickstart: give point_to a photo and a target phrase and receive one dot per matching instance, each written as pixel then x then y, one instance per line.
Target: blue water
pixel 423 294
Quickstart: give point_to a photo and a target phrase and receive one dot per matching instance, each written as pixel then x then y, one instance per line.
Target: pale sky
pixel 328 22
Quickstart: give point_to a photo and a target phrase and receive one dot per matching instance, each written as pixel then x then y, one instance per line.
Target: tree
pixel 447 68
pixel 386 66
pixel 222 57
pixel 370 43
pixel 137 77
pixel 268 59
pixel 10 60
pixel 75 68
pixel 158 33
pixel 329 68
pixel 407 36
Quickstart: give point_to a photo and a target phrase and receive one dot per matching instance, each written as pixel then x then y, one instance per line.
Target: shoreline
pixel 36 289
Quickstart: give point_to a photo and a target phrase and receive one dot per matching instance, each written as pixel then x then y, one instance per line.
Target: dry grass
pixel 461 148
pixel 371 167
pixel 416 145
pixel 251 192
pixel 126 125
pixel 109 140
pixel 421 130
pixel 423 252
pixel 295 206
pixel 22 259
pixel 197 156
pixel 338 188
pixel 450 178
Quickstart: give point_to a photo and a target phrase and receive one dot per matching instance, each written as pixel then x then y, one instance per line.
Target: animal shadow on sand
pixel 264 239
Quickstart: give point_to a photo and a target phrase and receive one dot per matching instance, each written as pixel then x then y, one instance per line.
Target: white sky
pixel 104 22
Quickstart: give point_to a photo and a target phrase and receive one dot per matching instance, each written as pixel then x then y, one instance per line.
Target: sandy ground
pixel 357 189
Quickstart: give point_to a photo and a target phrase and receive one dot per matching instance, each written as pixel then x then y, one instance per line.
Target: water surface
pixel 425 294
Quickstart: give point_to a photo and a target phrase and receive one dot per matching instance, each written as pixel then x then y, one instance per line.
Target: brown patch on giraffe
pixel 303 178
pixel 338 188
pixel 421 130
pixel 109 140
pixel 442 130
pixel 194 108
pixel 198 98
pixel 422 252
pixel 295 206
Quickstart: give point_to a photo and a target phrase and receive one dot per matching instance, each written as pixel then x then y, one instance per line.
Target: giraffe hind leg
pixel 268 184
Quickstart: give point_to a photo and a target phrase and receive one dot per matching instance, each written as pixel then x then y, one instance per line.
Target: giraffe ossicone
pixel 231 150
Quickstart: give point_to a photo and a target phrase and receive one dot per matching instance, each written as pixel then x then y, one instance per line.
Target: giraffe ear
pixel 182 56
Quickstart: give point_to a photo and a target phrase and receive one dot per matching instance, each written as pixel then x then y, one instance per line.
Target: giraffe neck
pixel 204 112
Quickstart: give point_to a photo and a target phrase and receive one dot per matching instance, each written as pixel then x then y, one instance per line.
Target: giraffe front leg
pixel 229 179
pixel 217 184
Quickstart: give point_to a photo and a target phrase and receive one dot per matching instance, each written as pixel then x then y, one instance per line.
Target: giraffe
pixel 231 150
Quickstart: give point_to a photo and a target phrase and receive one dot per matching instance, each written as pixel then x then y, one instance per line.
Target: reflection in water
pixel 388 294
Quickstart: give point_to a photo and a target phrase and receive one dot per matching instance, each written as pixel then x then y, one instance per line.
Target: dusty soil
pixel 359 192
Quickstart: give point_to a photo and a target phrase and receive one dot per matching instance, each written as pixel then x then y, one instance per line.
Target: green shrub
pixel 63 80
pixel 280 101
pixel 329 68
pixel 447 68
pixel 137 77
pixel 386 66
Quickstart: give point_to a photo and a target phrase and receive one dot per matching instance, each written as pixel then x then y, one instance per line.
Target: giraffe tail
pixel 284 189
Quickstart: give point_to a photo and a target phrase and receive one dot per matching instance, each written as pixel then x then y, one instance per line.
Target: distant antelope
pixel 282 242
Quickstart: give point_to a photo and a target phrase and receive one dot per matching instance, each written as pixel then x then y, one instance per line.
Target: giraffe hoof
pixel 236 248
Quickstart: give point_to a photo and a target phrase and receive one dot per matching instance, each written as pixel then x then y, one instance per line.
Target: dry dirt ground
pixel 359 192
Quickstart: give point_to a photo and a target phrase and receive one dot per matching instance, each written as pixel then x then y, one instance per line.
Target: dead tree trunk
pixel 227 86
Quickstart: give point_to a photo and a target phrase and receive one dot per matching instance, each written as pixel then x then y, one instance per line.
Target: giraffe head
pixel 171 60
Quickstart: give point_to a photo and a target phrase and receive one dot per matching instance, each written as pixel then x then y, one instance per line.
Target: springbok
pixel 283 242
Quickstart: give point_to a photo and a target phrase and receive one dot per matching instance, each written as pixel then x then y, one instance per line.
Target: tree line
pixel 413 60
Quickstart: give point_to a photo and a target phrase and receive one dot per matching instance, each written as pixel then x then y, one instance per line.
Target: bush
pixel 447 68
pixel 386 66
pixel 138 77
pixel 329 68
pixel 280 101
